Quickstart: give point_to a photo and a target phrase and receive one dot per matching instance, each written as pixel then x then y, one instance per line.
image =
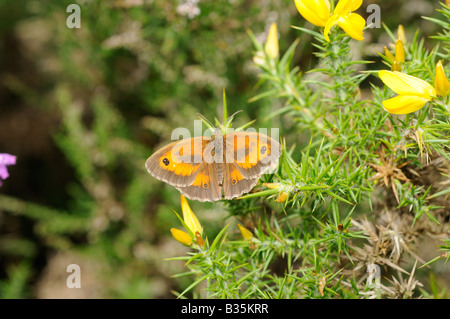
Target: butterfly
pixel 208 168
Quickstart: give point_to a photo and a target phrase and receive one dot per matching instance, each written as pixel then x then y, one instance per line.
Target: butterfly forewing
pixel 179 162
pixel 253 153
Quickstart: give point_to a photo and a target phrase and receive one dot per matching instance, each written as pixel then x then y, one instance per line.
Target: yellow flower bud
pixel 199 239
pixel 441 83
pixel 246 234
pixel 272 185
pixel 258 58
pixel 401 33
pixel 399 51
pixel 181 236
pixel 272 42
pixel 322 284
pixel 389 55
pixel 282 197
pixel 396 66
pixel 190 219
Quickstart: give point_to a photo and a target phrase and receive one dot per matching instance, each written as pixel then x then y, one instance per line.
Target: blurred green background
pixel 83 108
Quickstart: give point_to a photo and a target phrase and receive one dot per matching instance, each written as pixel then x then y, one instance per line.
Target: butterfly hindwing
pixel 205 186
pixel 234 183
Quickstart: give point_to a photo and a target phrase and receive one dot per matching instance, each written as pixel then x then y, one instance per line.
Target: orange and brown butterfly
pixel 223 166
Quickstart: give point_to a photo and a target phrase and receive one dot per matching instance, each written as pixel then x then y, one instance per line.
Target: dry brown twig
pixel 388 171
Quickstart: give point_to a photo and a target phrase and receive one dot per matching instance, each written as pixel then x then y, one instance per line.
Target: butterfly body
pixel 202 168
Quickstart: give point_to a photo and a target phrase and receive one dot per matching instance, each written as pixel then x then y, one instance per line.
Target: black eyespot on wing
pixel 263 150
pixel 205 185
pixel 166 161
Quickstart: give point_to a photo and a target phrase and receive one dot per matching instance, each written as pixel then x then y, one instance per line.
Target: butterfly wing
pixel 205 186
pixel 252 152
pixel 179 162
pixel 247 155
pixel 234 183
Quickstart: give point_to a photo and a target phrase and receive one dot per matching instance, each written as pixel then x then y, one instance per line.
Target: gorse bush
pixel 358 205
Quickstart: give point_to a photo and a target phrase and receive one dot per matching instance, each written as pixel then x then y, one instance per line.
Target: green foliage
pixel 16 285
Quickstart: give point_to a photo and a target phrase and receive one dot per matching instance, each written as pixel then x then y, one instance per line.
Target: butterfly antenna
pixel 206 121
pixel 230 119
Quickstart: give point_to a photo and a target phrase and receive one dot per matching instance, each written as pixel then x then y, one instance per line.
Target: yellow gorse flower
pixel 352 23
pixel 181 236
pixel 441 83
pixel 189 218
pixel 271 47
pixel 318 13
pixel 315 11
pixel 413 93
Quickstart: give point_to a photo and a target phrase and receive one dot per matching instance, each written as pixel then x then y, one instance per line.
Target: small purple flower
pixel 5 160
